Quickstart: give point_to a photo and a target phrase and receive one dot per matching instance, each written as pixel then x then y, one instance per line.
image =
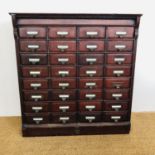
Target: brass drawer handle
pixel 120 47
pixel 118 72
pixel 121 33
pixel 62 47
pixel 91 60
pixel 33 47
pixel 91 47
pixel 119 60
pixel 37 119
pixel 91 73
pixel 116 107
pixel 90 84
pixel 117 96
pixel 64 108
pixel 64 119
pixel 62 33
pixel 90 107
pixel 63 60
pixel 63 85
pixel 115 118
pixel 34 73
pixel 34 60
pixel 90 118
pixel 36 97
pixel 90 96
pixel 32 33
pixel 63 73
pixel 35 85
pixel 37 109
pixel 91 33
pixel 64 97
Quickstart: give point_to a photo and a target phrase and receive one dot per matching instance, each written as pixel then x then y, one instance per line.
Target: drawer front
pixel 117 83
pixel 115 106
pixel 91 32
pixel 118 46
pixel 34 59
pixel 35 71
pixel 117 95
pixel 114 71
pixel 63 83
pixel 63 59
pixel 37 118
pixel 120 32
pixel 119 59
pixel 33 107
pixel 90 106
pixel 62 46
pixel 91 46
pixel 93 71
pixel 35 95
pixel 91 59
pixel 90 117
pixel 32 32
pixel 67 95
pixel 93 83
pixel 63 107
pixel 62 32
pixel 64 118
pixel 33 46
pixel 115 116
pixel 63 71
pixel 90 95
pixel 35 84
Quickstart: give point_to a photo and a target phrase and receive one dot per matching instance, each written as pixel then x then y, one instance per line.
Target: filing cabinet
pixel 75 72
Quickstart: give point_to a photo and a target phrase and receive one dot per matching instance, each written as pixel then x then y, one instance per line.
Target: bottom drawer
pixel 90 117
pixel 64 118
pixel 40 118
pixel 115 116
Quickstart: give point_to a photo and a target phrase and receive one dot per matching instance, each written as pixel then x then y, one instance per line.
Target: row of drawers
pixel 73 46
pixel 70 59
pixel 81 32
pixel 74 118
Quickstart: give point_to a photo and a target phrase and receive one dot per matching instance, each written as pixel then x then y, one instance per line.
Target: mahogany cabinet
pixel 75 72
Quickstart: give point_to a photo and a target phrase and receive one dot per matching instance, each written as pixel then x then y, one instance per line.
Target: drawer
pixel 63 71
pixel 34 59
pixel 35 71
pixel 63 83
pixel 39 118
pixel 32 32
pixel 91 46
pixel 91 83
pixel 63 107
pixel 63 59
pixel 62 32
pixel 90 106
pixel 64 118
pixel 120 32
pixel 119 59
pixel 35 95
pixel 91 59
pixel 116 71
pixel 35 107
pixel 33 46
pixel 117 95
pixel 90 117
pixel 115 106
pixel 35 84
pixel 117 83
pixel 91 71
pixel 118 46
pixel 62 46
pixel 90 94
pixel 91 32
pixel 60 95
pixel 115 116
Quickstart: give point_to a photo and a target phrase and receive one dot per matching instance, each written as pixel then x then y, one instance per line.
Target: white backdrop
pixel 144 88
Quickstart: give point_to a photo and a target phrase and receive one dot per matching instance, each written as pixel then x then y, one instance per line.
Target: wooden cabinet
pixel 75 72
